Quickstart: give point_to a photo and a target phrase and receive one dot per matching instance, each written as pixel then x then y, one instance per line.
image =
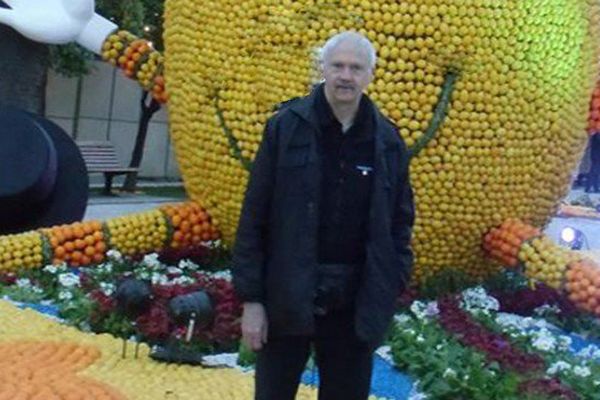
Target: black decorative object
pixel 133 298
pixel 197 306
pixel 197 311
pixel 174 352
pixel 43 178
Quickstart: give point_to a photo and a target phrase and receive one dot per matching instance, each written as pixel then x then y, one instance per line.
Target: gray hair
pixel 358 40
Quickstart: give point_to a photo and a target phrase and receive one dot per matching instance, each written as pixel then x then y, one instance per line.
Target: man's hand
pixel 254 326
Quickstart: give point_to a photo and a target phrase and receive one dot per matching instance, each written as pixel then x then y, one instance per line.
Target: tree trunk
pixel 23 71
pixel 148 111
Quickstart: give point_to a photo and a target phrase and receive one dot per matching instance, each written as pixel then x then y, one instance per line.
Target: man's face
pixel 347 73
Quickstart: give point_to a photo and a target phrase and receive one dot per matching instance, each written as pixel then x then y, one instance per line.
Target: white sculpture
pixel 58 22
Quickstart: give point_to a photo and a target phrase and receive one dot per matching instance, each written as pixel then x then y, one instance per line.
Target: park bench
pixel 101 157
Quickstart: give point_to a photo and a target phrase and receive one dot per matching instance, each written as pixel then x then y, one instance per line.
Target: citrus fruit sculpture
pixel 491 96
pixel 514 128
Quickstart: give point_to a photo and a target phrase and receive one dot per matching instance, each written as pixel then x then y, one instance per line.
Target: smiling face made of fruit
pixel 514 127
pixel 492 97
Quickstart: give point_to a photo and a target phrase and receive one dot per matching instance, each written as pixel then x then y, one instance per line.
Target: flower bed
pixel 451 340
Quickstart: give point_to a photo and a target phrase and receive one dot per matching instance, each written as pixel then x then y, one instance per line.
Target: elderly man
pixel 323 244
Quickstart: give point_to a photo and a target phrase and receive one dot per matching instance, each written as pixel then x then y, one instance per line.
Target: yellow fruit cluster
pixel 545 261
pixel 130 378
pixel 21 251
pixel 139 233
pixel 515 126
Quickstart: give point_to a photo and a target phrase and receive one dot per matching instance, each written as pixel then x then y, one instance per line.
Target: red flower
pixel 8 278
pixel 105 303
pixel 495 346
pixel 155 323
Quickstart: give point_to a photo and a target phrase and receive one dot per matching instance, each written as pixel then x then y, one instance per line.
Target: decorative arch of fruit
pixel 493 97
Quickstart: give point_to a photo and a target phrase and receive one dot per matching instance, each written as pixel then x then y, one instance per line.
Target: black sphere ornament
pixel 197 305
pixel 133 297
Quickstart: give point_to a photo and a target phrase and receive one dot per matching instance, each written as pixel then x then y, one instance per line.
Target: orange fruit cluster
pixel 191 224
pixel 503 243
pixel 48 371
pixel 158 89
pixel 594 116
pixel 583 285
pixel 138 60
pixel 80 243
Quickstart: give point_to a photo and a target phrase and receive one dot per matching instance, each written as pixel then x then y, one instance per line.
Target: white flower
pixel 106 267
pixel 68 279
pixel 424 310
pixel 402 319
pixel 114 255
pixel 411 332
pixel 543 340
pixel 225 274
pixel 564 342
pixel 477 299
pixel 107 288
pixel 188 265
pixel 520 323
pixel 159 279
pixel 174 270
pixel 557 367
pixel 65 295
pixel 432 309
pixel 583 372
pixel 23 283
pixel 420 339
pixel 37 289
pixel 449 372
pixel 590 352
pixel 50 269
pixel 145 275
pixel 547 310
pixel 182 280
pixel 151 260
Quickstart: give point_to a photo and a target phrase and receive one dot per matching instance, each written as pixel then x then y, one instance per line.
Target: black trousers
pixel 593 178
pixel 345 363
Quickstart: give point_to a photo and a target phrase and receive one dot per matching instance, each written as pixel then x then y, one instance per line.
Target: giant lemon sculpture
pixel 514 128
pixel 492 97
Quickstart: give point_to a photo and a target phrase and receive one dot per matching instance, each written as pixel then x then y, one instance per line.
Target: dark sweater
pixel 347 178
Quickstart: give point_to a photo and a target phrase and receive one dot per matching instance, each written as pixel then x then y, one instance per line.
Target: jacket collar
pixel 305 109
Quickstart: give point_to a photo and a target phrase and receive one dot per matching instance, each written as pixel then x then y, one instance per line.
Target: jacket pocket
pixel 291 169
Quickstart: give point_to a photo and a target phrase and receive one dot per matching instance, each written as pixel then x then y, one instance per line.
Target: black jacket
pixel 275 252
pixel 595 148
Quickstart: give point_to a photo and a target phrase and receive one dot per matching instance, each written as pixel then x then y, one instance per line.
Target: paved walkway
pixel 106 207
